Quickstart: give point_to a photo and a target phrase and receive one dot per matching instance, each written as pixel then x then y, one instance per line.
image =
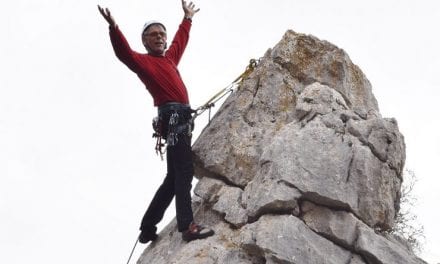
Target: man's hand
pixel 189 9
pixel 107 16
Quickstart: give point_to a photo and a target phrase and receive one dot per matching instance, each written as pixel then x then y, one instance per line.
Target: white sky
pixel 77 165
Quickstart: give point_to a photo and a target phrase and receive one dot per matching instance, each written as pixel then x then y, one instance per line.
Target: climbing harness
pixel 169 136
pixel 179 123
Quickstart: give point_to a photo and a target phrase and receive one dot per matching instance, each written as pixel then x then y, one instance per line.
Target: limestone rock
pixel 221 248
pixel 333 169
pixel 229 203
pixel 286 239
pixel 346 230
pixel 263 197
pixel 338 226
pixel 226 200
pixel 231 146
pixel 383 138
pixel 377 249
pixel 310 60
pixel 297 166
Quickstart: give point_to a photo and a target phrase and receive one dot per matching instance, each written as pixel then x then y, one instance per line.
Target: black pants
pixel 176 183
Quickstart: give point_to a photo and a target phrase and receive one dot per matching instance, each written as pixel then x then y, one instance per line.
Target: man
pixel 158 71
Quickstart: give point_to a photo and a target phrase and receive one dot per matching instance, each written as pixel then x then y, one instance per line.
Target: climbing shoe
pixel 196 232
pixel 146 236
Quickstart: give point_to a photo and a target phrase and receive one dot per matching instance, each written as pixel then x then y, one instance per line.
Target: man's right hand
pixel 107 16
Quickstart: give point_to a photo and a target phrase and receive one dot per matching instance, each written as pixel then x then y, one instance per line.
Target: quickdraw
pixel 157 128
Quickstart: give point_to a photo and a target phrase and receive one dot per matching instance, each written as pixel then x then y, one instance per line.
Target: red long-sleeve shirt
pixel 159 73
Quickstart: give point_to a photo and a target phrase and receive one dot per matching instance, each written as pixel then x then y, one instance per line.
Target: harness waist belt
pixel 173 106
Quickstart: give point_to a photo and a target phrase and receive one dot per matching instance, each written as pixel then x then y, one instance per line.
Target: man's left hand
pixel 189 9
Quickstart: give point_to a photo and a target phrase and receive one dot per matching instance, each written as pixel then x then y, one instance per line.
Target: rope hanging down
pixel 228 89
pixel 131 254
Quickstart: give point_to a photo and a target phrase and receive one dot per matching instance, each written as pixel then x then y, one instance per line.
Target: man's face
pixel 155 39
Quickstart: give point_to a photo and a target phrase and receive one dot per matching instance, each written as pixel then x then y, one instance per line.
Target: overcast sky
pixel 77 164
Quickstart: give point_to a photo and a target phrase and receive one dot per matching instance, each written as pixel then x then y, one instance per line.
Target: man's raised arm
pixel 120 45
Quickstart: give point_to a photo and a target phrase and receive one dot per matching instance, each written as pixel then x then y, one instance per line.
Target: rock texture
pixel 297 166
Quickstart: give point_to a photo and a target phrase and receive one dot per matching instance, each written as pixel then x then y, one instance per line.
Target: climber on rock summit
pixel 158 71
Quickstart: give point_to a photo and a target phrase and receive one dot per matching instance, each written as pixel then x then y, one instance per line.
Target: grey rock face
pixel 286 239
pixel 297 166
pixel 333 168
pixel 346 230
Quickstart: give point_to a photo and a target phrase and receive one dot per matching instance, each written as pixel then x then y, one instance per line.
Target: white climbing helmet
pixel 150 23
